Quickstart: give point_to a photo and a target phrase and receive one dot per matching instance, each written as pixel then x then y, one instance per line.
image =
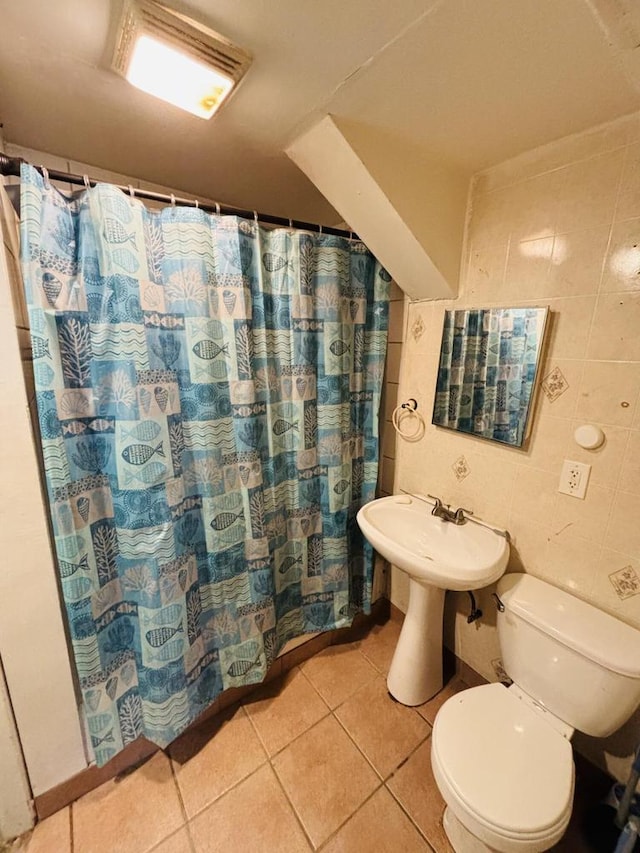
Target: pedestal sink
pixel 437 555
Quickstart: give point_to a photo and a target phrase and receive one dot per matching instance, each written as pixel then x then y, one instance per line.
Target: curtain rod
pixel 10 167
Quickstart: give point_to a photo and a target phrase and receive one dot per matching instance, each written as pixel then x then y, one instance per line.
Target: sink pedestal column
pixel 416 670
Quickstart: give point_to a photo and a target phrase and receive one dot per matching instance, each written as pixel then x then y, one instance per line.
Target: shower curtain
pixel 208 395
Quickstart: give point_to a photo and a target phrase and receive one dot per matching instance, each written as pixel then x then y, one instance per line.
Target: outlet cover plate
pixel 574 478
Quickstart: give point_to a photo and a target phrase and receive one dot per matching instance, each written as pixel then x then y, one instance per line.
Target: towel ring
pixel 408 410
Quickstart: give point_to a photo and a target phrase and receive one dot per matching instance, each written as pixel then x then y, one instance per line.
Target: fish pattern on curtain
pixel 208 396
pixel 487 371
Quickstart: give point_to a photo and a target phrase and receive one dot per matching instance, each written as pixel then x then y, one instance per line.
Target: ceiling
pixel 468 82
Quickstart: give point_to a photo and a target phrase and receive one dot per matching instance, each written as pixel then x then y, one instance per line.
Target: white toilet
pixel 501 756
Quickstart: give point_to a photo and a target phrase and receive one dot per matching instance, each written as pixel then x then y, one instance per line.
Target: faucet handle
pixel 436 500
pixel 461 513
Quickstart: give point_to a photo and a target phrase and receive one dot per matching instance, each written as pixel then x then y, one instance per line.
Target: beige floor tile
pixel 179 842
pixel 379 825
pixel 129 815
pixel 325 777
pixel 284 709
pixel 431 708
pixel 212 758
pixel 380 644
pixel 415 789
pixel 53 833
pixel 338 672
pixel 254 816
pixel 386 731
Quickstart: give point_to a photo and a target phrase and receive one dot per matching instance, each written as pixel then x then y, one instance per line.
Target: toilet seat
pixel 504 771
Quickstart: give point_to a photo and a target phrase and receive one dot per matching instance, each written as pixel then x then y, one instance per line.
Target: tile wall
pixel 558 226
pixel 388 439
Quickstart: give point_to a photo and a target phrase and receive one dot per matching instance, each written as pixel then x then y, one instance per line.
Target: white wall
pixel 33 646
pixel 16 811
pixel 16 814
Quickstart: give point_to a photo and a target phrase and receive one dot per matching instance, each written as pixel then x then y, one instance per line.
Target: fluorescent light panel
pixel 161 70
pixel 176 59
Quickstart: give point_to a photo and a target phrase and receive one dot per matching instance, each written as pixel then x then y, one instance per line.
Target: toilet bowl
pixel 502 757
pixel 505 773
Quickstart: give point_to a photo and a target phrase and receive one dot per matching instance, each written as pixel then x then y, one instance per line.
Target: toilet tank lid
pixel 574 623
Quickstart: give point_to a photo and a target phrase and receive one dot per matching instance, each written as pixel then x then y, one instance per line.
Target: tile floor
pixel 319 759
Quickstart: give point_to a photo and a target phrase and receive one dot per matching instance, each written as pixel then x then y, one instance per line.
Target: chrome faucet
pixel 445 512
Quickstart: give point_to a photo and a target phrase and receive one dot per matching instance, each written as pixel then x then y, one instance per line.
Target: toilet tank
pixel 580 663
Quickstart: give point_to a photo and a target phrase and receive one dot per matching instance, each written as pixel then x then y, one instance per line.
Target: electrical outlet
pixel 574 479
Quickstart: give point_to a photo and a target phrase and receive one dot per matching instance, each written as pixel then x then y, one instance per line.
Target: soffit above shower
pixel 417 236
pixel 465 83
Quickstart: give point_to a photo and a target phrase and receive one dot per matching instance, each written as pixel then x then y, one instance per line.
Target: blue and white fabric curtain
pixel 208 396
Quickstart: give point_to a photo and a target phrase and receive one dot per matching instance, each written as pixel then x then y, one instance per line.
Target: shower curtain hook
pixel 351 236
pixel 132 191
pixel 319 230
pixel 173 200
pixel 87 182
pixel 197 204
pixel 217 209
pixel 45 175
pixel 291 223
pixel 255 216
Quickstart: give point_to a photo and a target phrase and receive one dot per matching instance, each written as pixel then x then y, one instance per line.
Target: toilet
pixel 502 756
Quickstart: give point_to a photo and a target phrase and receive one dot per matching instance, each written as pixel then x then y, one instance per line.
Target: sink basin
pixel 451 556
pixel 437 555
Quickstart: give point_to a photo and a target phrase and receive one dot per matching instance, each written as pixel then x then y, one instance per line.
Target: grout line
pixel 356 646
pixel 384 672
pixel 192 843
pixel 308 680
pixel 351 816
pixel 564 165
pixel 292 807
pixel 255 728
pixel 298 736
pixel 269 760
pixel 172 835
pixel 411 819
pixel 177 787
pixel 606 252
pixel 360 750
pixel 183 809
pixel 228 790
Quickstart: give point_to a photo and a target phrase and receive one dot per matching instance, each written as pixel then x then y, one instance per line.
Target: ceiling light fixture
pixel 177 59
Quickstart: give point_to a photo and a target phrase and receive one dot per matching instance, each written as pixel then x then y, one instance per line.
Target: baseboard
pixel 139 751
pixel 91 777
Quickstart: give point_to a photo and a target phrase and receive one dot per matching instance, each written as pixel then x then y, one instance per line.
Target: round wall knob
pixel 589 436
